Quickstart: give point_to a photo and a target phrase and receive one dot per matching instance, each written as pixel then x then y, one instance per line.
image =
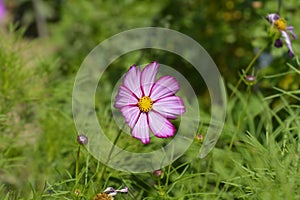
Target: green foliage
pixel 256 157
pixel 84 25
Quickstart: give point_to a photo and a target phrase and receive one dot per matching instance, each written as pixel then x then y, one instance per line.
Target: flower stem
pixel 248 69
pixel 243 113
pixel 110 153
pixel 77 164
pixel 87 169
pixel 279 6
pixel 237 128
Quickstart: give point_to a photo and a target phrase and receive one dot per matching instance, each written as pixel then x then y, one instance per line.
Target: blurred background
pixel 43 43
pixel 231 31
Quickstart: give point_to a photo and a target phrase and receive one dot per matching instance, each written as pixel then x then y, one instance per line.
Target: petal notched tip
pixel 154 65
pixel 143 140
pixel 168 131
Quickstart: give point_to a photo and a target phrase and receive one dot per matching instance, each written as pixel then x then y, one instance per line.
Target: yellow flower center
pixel 280 24
pixel 145 104
pixel 103 196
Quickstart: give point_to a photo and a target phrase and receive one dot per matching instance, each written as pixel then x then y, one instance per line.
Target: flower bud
pixel 250 80
pixel 82 139
pixel 199 137
pixel 158 173
pixel 77 192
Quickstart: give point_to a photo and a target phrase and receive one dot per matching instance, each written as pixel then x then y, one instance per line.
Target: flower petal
pixel 125 97
pixel 163 87
pixel 132 80
pixel 291 30
pixel 291 54
pixel 278 43
pixel 288 43
pixel 141 129
pixel 169 107
pixel 272 17
pixel 131 114
pixel 160 126
pixel 148 77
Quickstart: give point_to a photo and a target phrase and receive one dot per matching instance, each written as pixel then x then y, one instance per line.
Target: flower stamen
pixel 145 104
pixel 280 24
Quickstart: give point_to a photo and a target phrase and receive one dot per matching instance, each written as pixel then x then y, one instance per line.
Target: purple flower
pixel 280 25
pixel 2 9
pixel 147 104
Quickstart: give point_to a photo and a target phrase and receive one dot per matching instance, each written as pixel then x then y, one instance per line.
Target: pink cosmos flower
pixel 147 104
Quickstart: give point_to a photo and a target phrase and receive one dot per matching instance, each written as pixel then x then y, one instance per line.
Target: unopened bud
pixel 158 173
pixel 82 139
pixel 250 80
pixel 199 137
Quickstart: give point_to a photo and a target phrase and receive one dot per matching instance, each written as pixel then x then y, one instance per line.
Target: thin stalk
pixel 77 165
pixel 159 186
pixel 238 126
pixel 205 182
pixel 87 169
pixel 247 69
pixel 110 153
pixel 279 6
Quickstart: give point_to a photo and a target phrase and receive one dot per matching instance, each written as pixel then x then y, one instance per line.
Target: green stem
pixel 241 118
pixel 238 126
pixel 279 6
pixel 206 178
pixel 87 169
pixel 159 185
pixel 110 153
pixel 247 69
pixel 169 168
pixel 77 164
